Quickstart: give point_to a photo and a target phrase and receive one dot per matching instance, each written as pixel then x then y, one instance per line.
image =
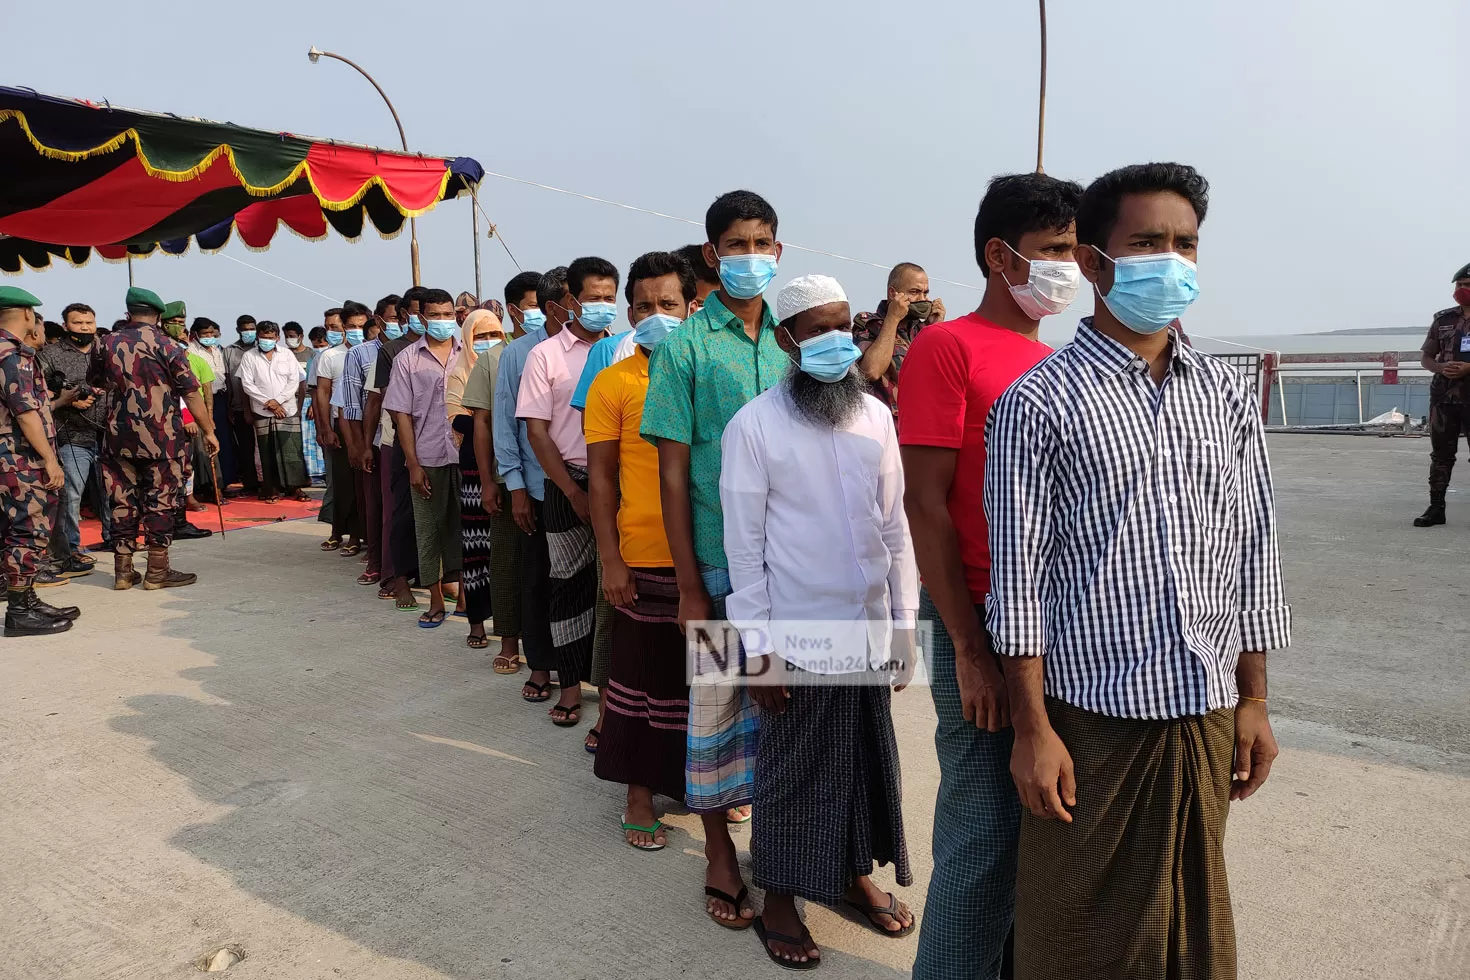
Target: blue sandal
pixel 431 620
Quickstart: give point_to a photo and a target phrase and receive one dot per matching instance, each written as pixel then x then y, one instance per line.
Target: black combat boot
pixel 1435 514
pixel 28 616
pixel 186 531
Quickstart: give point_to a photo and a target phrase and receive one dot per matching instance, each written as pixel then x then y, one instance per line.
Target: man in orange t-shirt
pixel 645 722
pixel 954 372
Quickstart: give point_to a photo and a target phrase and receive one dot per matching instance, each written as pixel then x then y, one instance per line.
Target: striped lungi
pixel 719 760
pixel 316 460
pixel 828 800
pixel 474 528
pixel 282 465
pixel 572 548
pixel 602 625
pixel 1135 885
pixel 507 563
pixel 644 729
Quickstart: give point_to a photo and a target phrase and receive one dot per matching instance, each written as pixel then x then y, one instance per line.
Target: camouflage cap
pixel 1464 273
pixel 174 310
pixel 138 296
pixel 13 296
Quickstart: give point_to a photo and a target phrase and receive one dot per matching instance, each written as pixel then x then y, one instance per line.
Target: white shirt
pixel 216 359
pixel 329 365
pixel 815 533
pixel 273 378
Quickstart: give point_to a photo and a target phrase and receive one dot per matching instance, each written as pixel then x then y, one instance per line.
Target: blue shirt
pixel 347 394
pixel 599 357
pixel 514 457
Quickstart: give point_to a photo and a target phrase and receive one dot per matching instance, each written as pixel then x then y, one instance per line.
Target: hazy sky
pixel 1334 134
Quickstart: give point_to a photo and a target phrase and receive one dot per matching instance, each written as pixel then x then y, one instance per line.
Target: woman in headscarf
pixel 483 336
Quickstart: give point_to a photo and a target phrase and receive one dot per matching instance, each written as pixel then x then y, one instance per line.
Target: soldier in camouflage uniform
pixel 1446 352
pixel 30 475
pixel 147 374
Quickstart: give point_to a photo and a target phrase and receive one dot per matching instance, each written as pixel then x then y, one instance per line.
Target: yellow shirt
pixel 614 413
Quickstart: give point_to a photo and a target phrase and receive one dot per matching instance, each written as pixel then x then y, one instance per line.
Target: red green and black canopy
pixel 77 175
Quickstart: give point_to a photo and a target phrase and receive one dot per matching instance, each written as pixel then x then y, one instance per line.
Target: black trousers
pixel 346 517
pixel 1447 422
pixel 536 644
pixel 403 542
pixel 242 428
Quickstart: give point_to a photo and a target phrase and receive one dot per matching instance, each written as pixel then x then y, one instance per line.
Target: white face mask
pixel 1050 288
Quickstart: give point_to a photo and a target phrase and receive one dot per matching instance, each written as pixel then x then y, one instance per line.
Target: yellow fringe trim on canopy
pixel 224 149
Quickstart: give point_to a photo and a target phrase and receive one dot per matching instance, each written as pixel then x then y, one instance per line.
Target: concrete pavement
pixel 274 758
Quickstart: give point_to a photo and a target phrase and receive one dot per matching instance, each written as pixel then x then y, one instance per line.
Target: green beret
pixel 1464 273
pixel 12 296
pixel 174 310
pixel 138 296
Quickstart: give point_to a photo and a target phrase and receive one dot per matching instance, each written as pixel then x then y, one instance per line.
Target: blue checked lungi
pixel 977 822
pixel 316 460
pixel 719 768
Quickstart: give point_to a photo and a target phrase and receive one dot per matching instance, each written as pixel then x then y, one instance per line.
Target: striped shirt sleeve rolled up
pixel 1132 529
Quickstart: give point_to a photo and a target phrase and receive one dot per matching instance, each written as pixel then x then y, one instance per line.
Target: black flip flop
pixel 890 910
pixel 573 716
pixel 740 922
pixel 543 692
pixel 767 935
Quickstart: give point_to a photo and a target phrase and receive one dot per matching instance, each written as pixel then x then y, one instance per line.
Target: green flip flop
pixel 657 826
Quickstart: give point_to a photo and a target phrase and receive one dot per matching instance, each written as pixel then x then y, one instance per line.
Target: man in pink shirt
pixel 555 430
pixel 416 399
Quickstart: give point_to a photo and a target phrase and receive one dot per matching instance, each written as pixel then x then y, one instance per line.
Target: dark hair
pixel 1017 203
pixel 703 271
pixel 243 319
pixel 76 308
pixel 737 206
pixel 651 265
pixel 202 323
pixel 135 308
pixel 119 324
pixel 413 294
pixel 267 326
pixel 1098 212
pixel 519 285
pixel 900 269
pixel 335 311
pixel 353 308
pixel 53 330
pixel 316 333
pixel 392 299
pixel 434 296
pixel 291 325
pixel 552 286
pixel 585 268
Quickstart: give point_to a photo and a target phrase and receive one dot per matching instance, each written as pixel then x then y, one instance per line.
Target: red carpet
pixel 240 512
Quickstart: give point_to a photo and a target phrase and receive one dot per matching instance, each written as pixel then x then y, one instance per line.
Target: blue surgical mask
pixel 828 356
pixel 247 336
pixel 266 345
pixel 334 337
pixel 441 329
pixel 747 276
pixel 392 331
pixel 533 319
pixel 415 324
pixel 484 346
pixel 354 337
pixel 597 317
pixel 209 341
pixel 648 331
pixel 1150 292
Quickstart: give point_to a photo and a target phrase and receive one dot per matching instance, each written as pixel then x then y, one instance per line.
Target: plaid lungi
pixel 1135 885
pixel 719 764
pixel 602 627
pixel 644 729
pixel 316 460
pixel 507 564
pixel 573 550
pixel 280 445
pixel 828 798
pixel 977 818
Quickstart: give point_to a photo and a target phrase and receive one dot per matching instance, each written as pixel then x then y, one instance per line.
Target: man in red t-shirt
pixel 954 372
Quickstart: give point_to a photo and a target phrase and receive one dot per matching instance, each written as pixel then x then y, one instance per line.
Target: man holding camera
pixel 80 417
pixel 30 474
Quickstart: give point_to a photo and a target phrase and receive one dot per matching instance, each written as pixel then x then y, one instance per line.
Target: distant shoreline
pixel 1364 331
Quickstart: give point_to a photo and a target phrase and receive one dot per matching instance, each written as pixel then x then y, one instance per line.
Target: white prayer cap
pixel 807 293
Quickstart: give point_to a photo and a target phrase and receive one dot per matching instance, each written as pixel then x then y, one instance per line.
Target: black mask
pixel 81 339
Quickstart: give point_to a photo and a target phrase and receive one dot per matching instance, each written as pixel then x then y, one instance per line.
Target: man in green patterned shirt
pixel 699 377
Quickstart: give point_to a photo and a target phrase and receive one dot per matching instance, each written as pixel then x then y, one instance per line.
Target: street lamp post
pixel 315 55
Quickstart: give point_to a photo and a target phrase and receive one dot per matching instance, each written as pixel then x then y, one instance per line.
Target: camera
pixel 83 390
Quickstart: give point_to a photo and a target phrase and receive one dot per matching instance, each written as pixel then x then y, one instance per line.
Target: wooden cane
pixel 218 503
